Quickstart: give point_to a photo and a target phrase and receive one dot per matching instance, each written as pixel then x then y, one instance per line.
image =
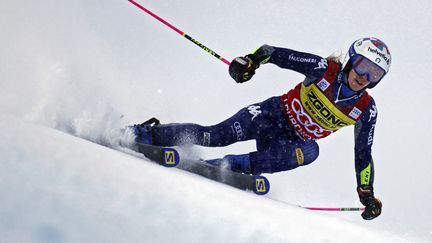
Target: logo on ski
pixel 171 158
pixel 262 185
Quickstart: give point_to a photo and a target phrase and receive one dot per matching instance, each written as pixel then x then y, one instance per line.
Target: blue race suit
pixel 285 127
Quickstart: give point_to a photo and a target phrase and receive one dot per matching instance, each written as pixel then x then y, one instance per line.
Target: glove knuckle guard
pixel 373 205
pixel 241 69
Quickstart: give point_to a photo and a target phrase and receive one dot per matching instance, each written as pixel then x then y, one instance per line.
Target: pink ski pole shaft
pixel 180 32
pixel 333 209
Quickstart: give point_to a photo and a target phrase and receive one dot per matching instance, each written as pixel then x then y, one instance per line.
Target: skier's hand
pixel 242 69
pixel 373 205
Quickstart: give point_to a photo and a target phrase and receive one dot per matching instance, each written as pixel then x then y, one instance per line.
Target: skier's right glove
pixel 242 69
pixel 373 204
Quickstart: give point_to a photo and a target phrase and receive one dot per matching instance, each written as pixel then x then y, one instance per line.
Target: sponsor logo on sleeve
pixel 355 113
pixel 301 59
pixel 323 84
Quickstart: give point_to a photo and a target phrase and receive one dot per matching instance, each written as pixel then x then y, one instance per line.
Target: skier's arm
pixel 243 68
pixel 363 133
pixel 364 166
pixel 308 64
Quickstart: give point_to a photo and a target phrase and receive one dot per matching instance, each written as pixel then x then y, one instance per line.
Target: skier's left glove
pixel 242 69
pixel 373 205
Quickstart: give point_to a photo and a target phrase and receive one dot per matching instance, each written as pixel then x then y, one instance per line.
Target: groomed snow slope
pixel 59 188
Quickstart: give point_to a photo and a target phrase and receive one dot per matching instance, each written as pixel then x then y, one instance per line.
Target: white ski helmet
pixel 368 56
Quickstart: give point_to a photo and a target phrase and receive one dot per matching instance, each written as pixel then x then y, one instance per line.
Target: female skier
pixel 332 95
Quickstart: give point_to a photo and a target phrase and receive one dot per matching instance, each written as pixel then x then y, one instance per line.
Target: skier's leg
pixel 238 163
pixel 248 123
pixel 225 133
pixel 287 157
pixel 234 129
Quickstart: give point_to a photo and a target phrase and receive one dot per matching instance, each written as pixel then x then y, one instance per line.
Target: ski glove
pixel 373 205
pixel 242 69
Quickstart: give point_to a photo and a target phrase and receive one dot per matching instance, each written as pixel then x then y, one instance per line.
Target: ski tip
pixel 171 157
pixel 261 185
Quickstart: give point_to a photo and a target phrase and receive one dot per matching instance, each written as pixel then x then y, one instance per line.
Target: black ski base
pixel 169 157
pixel 256 183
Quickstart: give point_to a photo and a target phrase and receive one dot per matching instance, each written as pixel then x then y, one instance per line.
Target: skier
pixel 333 95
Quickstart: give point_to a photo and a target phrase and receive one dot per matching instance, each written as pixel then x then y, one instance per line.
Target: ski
pixel 165 156
pixel 260 185
pixel 169 157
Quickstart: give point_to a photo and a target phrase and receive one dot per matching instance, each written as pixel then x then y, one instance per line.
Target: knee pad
pixel 307 152
pixel 288 158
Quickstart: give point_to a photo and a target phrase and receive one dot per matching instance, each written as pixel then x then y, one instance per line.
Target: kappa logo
pixel 322 64
pixel 255 111
pixel 373 112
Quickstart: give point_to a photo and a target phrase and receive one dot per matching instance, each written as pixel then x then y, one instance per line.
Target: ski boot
pixel 143 132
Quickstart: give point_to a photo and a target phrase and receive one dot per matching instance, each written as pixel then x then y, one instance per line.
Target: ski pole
pixel 333 209
pixel 180 32
pixel 321 208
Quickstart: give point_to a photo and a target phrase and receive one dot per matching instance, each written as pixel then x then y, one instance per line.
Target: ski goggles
pixel 363 66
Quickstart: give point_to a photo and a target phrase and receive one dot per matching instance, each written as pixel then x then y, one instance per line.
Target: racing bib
pixel 312 112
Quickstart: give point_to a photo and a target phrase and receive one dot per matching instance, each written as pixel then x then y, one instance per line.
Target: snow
pixel 73 72
pixel 66 189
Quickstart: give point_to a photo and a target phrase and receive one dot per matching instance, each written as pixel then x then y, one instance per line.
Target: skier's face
pixel 357 82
